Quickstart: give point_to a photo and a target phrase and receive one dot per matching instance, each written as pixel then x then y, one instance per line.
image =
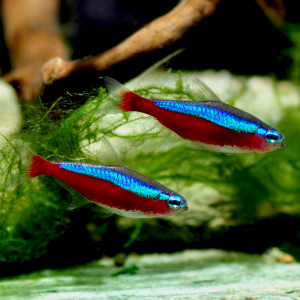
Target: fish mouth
pixel 185 208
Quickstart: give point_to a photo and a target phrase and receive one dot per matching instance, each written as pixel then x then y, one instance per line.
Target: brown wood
pixel 32 36
pixel 161 32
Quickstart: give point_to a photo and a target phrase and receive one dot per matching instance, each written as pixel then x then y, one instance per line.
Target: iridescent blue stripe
pixel 124 181
pixel 211 114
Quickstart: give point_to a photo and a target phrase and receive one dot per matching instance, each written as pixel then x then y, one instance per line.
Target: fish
pixel 115 189
pixel 208 121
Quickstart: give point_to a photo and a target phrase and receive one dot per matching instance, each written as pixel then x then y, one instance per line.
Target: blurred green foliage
pixel 292 31
pixel 34 211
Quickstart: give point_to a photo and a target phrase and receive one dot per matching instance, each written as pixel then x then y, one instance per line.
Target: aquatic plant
pixel 221 189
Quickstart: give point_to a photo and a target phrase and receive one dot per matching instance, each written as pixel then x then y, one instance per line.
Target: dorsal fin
pixel 161 62
pixel 104 153
pixel 200 91
pixel 111 156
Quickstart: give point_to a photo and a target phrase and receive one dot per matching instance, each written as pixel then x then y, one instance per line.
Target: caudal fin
pixel 37 166
pixel 128 101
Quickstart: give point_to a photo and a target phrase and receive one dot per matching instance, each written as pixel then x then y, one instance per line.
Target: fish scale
pixel 116 178
pixel 214 115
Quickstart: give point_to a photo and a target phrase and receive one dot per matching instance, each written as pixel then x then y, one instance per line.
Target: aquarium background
pixel 247 204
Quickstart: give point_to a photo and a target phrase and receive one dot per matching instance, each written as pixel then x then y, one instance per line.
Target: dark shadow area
pixel 87 238
pixel 238 38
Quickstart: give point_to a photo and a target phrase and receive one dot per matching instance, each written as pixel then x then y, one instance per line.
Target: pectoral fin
pixel 78 201
pixel 103 212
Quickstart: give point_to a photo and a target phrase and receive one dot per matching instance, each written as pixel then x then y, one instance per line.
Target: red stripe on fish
pixel 204 131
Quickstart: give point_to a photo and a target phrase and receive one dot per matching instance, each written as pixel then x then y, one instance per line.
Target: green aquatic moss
pixel 220 188
pixel 291 55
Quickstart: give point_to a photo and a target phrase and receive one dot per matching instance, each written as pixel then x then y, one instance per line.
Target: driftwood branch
pixel 275 10
pixel 162 31
pixel 32 36
pixel 39 55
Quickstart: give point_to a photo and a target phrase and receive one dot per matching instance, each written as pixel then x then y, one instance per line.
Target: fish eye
pixel 175 202
pixel 273 137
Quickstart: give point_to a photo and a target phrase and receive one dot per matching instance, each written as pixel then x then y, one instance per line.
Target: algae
pixel 222 190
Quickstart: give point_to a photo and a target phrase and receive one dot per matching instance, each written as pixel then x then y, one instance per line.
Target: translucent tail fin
pixel 128 101
pixel 28 162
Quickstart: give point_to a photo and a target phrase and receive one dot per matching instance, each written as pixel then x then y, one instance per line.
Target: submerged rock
pixel 192 274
